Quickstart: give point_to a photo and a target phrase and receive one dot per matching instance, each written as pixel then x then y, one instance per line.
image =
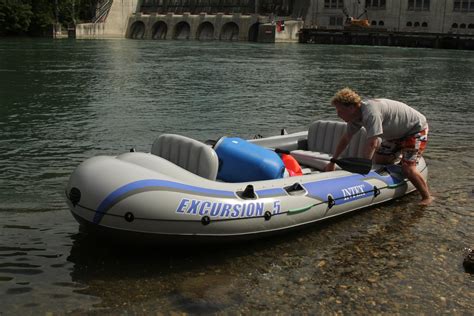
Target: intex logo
pixel 352 192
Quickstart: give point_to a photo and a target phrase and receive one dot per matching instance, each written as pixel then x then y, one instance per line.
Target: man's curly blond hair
pixel 346 97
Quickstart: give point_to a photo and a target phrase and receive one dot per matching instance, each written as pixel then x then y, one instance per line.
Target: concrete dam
pixel 434 23
pixel 228 20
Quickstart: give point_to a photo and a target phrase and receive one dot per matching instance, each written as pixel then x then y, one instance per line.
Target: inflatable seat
pixel 323 137
pixel 187 153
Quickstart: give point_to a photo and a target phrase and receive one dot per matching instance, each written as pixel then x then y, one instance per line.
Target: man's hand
pixel 330 167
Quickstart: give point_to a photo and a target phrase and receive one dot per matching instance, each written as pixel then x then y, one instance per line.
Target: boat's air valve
pixel 74 196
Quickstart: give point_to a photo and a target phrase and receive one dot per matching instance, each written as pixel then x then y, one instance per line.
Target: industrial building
pixel 428 16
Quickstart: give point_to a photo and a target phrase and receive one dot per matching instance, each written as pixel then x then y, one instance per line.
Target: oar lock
pixel 248 193
pixel 331 201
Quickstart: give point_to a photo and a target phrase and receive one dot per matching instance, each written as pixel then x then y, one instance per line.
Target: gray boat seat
pixel 187 153
pixel 323 137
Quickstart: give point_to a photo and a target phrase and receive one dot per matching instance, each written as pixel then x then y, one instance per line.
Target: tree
pixel 36 17
pixel 86 9
pixel 15 17
pixel 43 16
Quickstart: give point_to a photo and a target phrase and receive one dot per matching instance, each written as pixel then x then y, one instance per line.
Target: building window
pixel 375 4
pixel 462 26
pixel 409 24
pixel 424 24
pixel 463 6
pixel 374 23
pixel 417 24
pixel 335 20
pixel 454 26
pixel 418 5
pixel 457 5
pixel 470 26
pixel 333 4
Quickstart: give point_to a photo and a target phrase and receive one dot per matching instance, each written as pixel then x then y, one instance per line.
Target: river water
pixel 63 101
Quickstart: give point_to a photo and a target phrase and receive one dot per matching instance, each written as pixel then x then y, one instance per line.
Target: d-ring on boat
pixel 188 190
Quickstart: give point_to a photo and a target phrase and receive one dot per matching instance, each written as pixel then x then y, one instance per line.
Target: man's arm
pixel 343 142
pixel 370 147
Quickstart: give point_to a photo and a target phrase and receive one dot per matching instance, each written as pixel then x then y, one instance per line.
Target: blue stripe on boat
pixel 338 188
pixel 270 192
pixel 117 195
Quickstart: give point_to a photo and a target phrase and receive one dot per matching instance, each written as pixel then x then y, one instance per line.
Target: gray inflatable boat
pixel 188 190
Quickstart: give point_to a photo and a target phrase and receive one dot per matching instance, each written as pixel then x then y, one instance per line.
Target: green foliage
pixel 35 17
pixel 15 17
pixel 43 16
pixel 86 9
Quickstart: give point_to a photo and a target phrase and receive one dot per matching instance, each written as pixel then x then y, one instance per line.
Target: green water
pixel 62 102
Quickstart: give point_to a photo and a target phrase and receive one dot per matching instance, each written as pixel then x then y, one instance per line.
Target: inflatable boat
pixel 184 189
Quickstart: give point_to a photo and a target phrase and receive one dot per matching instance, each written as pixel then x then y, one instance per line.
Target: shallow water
pixel 62 102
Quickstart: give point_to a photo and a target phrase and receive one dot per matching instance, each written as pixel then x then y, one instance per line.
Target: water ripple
pixel 104 97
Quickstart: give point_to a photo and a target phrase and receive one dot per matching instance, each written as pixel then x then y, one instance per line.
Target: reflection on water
pixel 65 101
pixel 34 271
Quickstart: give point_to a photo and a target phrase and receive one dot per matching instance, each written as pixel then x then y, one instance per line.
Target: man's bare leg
pixel 419 182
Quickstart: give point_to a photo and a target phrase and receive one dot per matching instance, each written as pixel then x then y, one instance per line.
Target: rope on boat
pixel 206 220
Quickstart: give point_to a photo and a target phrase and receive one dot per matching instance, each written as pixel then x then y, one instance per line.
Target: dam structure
pixel 225 20
pixel 417 23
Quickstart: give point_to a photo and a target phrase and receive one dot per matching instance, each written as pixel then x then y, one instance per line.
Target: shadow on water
pixel 181 273
pixel 357 250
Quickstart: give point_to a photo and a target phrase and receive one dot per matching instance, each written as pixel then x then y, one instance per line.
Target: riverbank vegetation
pixel 38 17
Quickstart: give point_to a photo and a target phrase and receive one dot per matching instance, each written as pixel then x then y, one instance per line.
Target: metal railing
pixel 102 11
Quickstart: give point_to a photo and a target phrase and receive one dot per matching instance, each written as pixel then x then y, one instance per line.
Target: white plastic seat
pixel 187 153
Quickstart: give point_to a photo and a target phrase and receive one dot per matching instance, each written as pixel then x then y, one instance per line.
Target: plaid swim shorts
pixel 409 148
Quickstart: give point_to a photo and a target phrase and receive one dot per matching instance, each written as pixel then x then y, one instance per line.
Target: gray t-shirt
pixel 388 119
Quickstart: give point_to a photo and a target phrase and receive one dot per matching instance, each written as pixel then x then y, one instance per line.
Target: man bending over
pixel 393 129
